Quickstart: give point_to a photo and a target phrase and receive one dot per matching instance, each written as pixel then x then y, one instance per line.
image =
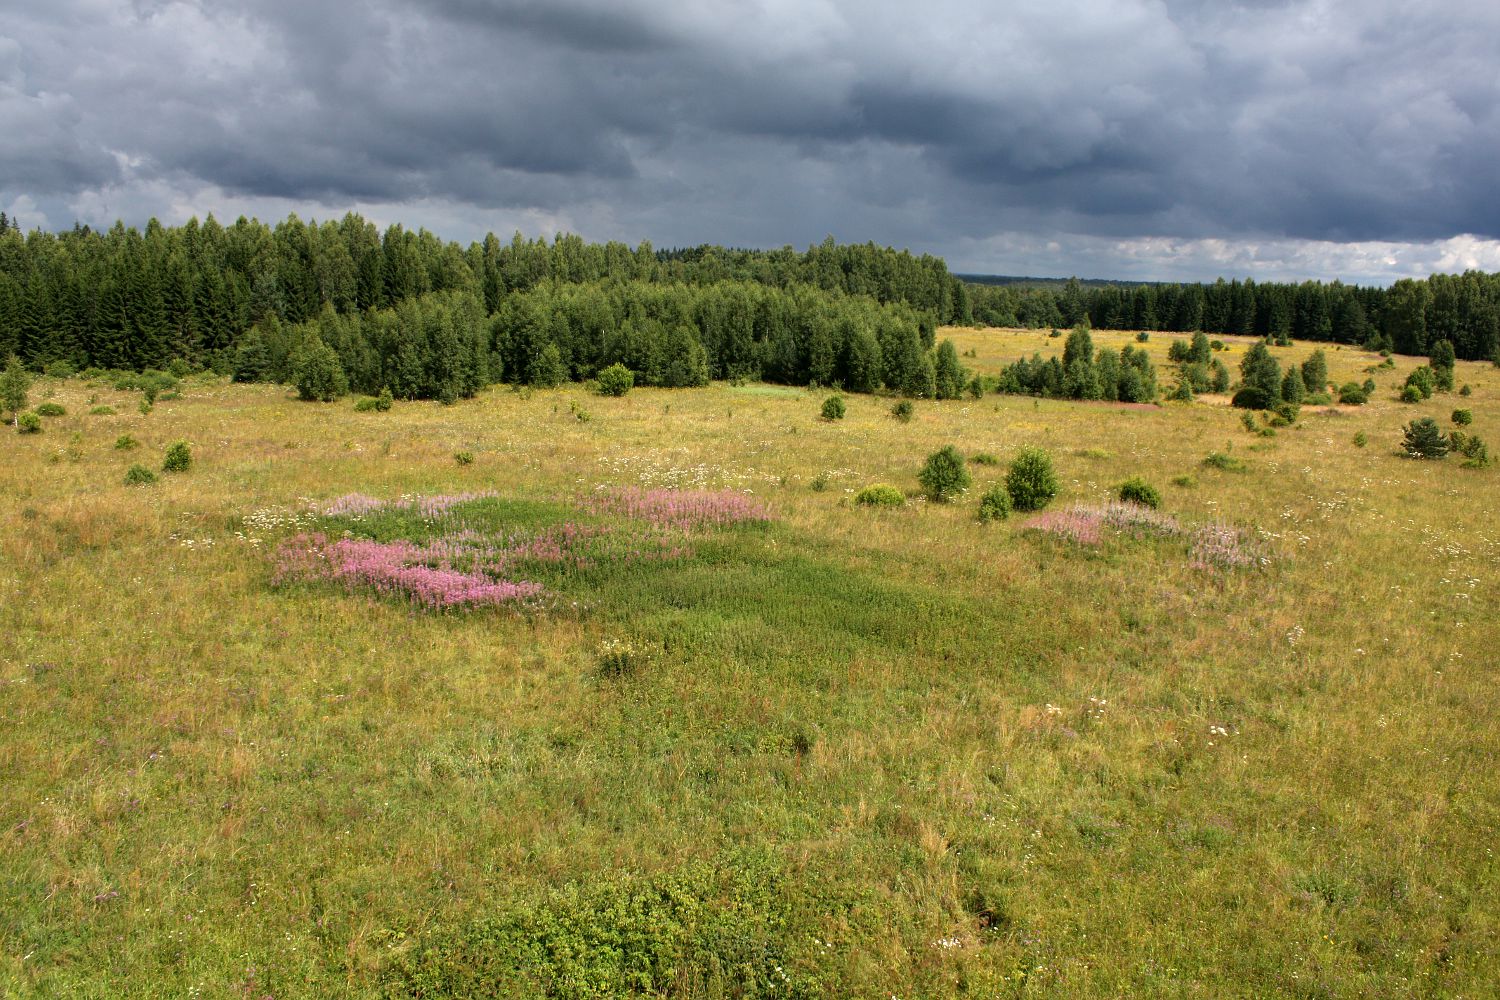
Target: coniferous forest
pixel 425 318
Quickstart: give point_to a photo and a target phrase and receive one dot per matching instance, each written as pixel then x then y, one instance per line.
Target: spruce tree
pixel 1315 372
pixel 1260 379
pixel 1292 389
pixel 14 385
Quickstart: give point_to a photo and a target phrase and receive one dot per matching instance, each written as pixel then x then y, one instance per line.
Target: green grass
pixel 899 754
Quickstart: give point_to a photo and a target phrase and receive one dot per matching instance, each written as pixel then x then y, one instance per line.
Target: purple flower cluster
pixel 396 568
pixel 1223 546
pixel 680 510
pixel 1076 524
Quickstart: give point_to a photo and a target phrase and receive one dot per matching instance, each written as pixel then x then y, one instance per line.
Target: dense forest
pixel 424 317
pixel 1409 317
pixel 409 312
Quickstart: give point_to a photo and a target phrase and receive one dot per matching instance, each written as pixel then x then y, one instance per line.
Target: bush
pixel 367 405
pixel 384 401
pixel 1411 394
pixel 616 380
pixel 880 495
pixel 1360 440
pixel 976 387
pixel 1286 414
pixel 28 423
pixel 1461 417
pixel 126 443
pixel 139 475
pixel 944 475
pixel 1423 439
pixel 15 383
pixel 1467 390
pixel 1185 481
pixel 901 410
pixel 1476 455
pixel 179 368
pixel 178 458
pixel 1142 337
pixel 996 504
pixel 833 408
pixel 317 373
pixel 463 457
pixel 1031 481
pixel 58 369
pixel 983 458
pixel 1137 490
pixel 1217 345
pixel 1424 379
pixel 102 411
pixel 1318 399
pixel 51 410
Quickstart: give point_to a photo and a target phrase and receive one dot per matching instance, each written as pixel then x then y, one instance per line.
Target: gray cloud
pixel 951 127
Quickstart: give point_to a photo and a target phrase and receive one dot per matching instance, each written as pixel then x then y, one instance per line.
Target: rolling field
pixel 802 749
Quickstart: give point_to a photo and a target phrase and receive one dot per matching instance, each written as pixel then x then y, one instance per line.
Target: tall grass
pixel 909 755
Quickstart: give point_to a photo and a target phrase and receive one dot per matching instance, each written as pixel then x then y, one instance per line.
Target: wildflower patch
pixel 480 549
pixel 1216 546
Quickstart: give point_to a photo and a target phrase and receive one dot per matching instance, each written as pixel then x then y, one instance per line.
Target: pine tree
pixel 14 385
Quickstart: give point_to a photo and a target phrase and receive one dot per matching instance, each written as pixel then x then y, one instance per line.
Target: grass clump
pixel 178 458
pixel 102 411
pixel 1222 462
pixel 944 476
pixel 983 458
pixel 1360 439
pixel 902 410
pixel 1031 481
pixel 126 443
pixel 1137 490
pixel 996 504
pixel 463 457
pixel 833 408
pixel 51 410
pixel 880 495
pixel 139 475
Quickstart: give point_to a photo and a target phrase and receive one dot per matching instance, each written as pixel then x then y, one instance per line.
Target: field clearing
pixel 882 753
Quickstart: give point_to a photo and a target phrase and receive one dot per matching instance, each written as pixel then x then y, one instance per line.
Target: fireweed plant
pixel 471 550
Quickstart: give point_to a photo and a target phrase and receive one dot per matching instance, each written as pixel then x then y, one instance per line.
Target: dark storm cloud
pixel 940 126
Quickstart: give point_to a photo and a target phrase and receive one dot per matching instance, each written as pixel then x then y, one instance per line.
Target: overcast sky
pixel 1357 139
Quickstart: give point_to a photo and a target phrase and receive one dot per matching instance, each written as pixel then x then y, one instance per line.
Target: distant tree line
pixel 425 318
pixel 1408 317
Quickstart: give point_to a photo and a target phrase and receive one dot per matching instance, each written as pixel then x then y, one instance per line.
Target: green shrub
pixel 901 410
pixel 995 504
pixel 616 380
pixel 1411 394
pixel 1031 481
pixel 944 475
pixel 1217 345
pixel 317 373
pixel 15 384
pixel 833 408
pixel 983 458
pixel 547 370
pixel 1467 390
pixel 976 387
pixel 28 423
pixel 1424 379
pixel 179 368
pixel 126 443
pixel 145 406
pixel 384 401
pixel 1360 440
pixel 1222 462
pixel 178 458
pixel 880 495
pixel 1318 399
pixel 1247 419
pixel 1286 413
pixel 1424 439
pixel 1461 417
pixel 51 410
pixel 58 369
pixel 1137 490
pixel 1476 455
pixel 463 457
pixel 1142 337
pixel 1185 481
pixel 139 475
pixel 102 411
pixel 367 405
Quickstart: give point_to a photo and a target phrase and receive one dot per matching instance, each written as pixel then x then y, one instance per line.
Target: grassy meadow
pixel 843 752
